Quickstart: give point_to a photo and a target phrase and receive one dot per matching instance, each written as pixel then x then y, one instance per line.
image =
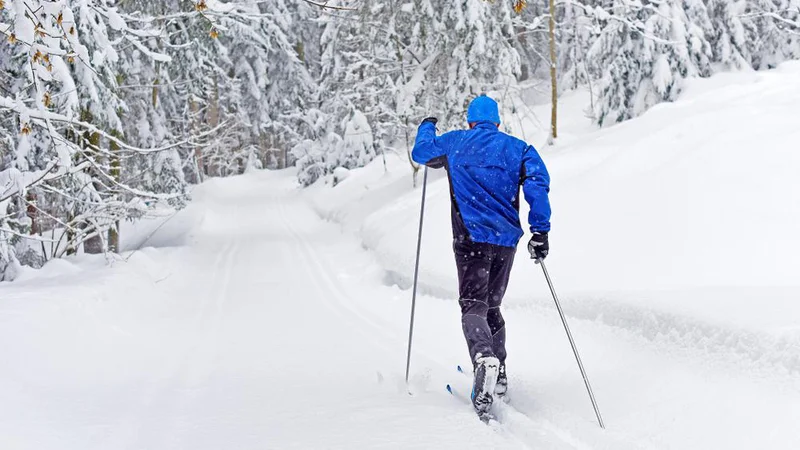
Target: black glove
pixel 538 246
pixel 432 120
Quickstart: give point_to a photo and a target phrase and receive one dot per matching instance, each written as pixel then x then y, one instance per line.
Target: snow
pixel 675 228
pixel 23 27
pixel 12 180
pixel 357 141
pixel 266 316
pixel 340 174
pixel 115 21
pixel 155 56
pixel 662 75
pixel 220 7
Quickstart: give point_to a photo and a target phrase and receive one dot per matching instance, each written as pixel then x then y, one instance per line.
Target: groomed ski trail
pixel 375 330
pixel 270 328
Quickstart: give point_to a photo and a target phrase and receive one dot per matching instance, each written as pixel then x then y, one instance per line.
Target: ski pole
pixel 572 343
pixel 416 271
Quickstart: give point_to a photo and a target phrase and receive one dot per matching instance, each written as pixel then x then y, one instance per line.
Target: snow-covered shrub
pixel 354 148
pixel 357 148
pixel 312 158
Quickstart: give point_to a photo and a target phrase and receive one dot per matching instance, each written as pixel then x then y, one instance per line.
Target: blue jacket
pixel 486 168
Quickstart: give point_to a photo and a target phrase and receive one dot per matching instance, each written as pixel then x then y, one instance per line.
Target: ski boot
pixel 483 386
pixel 501 387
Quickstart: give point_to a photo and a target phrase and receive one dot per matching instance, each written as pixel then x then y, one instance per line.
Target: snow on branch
pixel 792 23
pixel 637 26
pixel 30 113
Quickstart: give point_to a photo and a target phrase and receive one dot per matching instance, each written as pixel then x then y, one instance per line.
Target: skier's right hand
pixel 539 246
pixel 432 120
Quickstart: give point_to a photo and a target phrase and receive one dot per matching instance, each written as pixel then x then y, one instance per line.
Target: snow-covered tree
pixel 111 108
pixel 473 45
pixel 645 50
pixel 645 53
pixel 62 175
pixel 729 40
pixel 772 31
pixel 574 37
pixel 396 63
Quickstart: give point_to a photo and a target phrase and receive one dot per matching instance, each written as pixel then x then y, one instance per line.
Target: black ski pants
pixel 483 271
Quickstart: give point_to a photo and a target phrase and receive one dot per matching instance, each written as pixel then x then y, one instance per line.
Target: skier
pixel 485 168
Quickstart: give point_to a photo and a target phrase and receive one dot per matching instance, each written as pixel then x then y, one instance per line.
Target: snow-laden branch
pixel 128 189
pixel 637 27
pixel 772 15
pixel 31 113
pixel 32 237
pixel 160 57
pixel 16 182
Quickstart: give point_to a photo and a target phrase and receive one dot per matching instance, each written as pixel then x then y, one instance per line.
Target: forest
pixel 111 110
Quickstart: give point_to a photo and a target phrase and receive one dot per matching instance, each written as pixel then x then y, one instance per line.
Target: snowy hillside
pixel 266 316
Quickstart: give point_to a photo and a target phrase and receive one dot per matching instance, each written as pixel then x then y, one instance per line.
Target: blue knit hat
pixel 483 109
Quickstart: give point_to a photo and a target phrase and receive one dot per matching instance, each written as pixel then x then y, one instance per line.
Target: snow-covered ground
pixel 265 316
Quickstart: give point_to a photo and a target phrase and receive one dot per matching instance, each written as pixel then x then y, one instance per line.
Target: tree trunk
pixel 300 48
pixel 553 81
pixel 414 167
pixel 156 82
pixel 33 213
pixel 93 245
pixel 219 160
pixel 198 151
pixel 113 231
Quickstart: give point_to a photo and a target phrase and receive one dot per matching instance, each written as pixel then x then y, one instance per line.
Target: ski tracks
pixel 528 432
pixel 166 405
pixel 330 293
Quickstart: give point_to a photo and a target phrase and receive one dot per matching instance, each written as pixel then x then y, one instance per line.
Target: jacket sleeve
pixel 536 187
pixel 428 148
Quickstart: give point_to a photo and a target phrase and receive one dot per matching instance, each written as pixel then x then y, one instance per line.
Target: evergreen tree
pixel 729 40
pixel 773 31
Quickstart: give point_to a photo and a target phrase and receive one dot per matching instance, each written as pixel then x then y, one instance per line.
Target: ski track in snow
pixel 520 428
pixel 514 423
pixel 750 351
pixel 164 408
pixel 329 292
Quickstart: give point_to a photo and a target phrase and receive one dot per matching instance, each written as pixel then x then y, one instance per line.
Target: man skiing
pixel 485 168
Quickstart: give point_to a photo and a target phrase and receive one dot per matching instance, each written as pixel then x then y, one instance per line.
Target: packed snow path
pixel 270 328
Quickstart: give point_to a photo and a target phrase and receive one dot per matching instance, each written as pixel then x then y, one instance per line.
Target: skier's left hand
pixel 539 246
